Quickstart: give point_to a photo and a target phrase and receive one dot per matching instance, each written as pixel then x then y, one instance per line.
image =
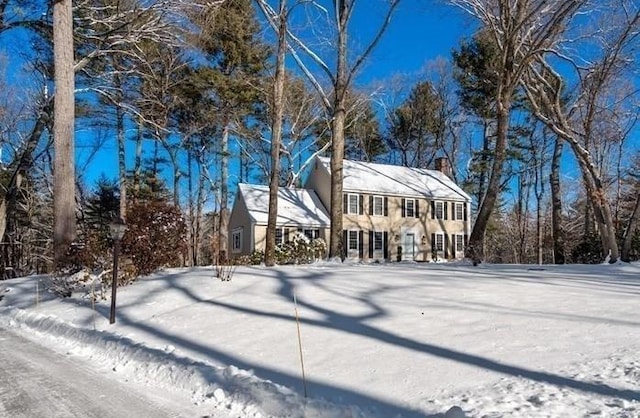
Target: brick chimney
pixel 443 165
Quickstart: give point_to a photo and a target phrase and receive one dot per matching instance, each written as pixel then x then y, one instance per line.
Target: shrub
pixel 588 251
pixel 300 250
pixel 155 236
pixel 255 258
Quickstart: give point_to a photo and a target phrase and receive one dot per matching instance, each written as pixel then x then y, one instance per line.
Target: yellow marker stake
pixel 304 381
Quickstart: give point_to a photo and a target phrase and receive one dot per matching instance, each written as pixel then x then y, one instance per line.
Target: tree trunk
pixel 199 209
pixel 539 228
pixel 588 217
pixel 122 168
pixel 630 230
pixel 191 250
pixel 175 164
pixel 598 199
pixel 337 132
pixel 276 136
pixel 556 204
pixel 137 165
pixel 64 207
pixel 482 180
pixel 475 249
pixel 223 231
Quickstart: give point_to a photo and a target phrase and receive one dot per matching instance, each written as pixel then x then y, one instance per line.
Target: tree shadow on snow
pixel 354 324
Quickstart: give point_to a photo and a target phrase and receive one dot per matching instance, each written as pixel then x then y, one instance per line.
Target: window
pixel 377 241
pixel 279 236
pixel 410 208
pixel 458 214
pixel 236 240
pixel 353 241
pixel 354 204
pixel 378 205
pixel 439 242
pixel 439 207
pixel 459 243
pixel 311 233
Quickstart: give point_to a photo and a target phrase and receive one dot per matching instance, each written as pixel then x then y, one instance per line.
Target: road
pixel 36 382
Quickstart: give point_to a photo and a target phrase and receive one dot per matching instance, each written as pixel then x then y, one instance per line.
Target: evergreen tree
pixel 415 127
pixel 102 205
pixel 235 63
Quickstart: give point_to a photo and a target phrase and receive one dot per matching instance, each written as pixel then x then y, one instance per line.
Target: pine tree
pixel 236 61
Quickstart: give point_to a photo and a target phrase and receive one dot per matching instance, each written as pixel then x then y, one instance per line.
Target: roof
pixel 295 206
pixel 397 180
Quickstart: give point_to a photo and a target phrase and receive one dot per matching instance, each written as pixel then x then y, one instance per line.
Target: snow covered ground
pixel 389 340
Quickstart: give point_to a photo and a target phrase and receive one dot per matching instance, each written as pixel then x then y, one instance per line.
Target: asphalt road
pixel 36 382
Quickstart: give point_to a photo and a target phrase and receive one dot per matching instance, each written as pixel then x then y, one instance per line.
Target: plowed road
pixel 36 382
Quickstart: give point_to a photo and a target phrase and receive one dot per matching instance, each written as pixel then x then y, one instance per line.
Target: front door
pixel 409 247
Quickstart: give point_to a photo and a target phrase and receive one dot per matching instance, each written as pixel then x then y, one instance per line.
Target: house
pixel 389 212
pixel 397 213
pixel 298 210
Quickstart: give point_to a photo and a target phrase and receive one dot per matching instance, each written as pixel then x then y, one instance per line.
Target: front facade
pixel 390 213
pixel 397 213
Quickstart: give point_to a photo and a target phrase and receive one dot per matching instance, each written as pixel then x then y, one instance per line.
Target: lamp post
pixel 116 229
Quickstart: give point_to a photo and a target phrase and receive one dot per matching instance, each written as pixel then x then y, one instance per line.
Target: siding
pixel 320 181
pixel 397 225
pixel 240 219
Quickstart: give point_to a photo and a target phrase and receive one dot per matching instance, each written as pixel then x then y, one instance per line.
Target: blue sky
pixel 420 31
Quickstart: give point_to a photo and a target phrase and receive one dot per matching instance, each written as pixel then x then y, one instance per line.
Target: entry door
pixel 409 247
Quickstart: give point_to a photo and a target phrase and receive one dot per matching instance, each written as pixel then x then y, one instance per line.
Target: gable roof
pixel 295 206
pixel 396 180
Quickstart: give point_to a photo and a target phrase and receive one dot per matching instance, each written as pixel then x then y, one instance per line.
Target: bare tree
pixel 277 112
pixel 577 122
pixel 341 78
pixel 521 31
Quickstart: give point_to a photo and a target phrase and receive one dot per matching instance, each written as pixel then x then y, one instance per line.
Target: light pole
pixel 116 229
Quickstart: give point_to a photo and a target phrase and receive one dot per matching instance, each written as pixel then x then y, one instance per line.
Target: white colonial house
pixel 389 212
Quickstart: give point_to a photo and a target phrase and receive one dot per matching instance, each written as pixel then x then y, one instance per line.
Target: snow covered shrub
pixel 155 236
pixel 283 253
pixel 318 249
pixel 300 250
pixel 90 284
pixel 253 259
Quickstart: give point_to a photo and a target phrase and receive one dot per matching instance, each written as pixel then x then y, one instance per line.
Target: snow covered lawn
pixel 378 340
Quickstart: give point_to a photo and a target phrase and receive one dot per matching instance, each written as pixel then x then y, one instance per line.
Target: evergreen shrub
pixel 588 251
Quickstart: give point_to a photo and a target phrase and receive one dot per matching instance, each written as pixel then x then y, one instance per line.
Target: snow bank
pixel 236 391
pixel 394 340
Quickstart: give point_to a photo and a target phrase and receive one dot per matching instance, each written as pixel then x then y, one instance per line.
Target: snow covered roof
pixel 295 206
pixel 396 180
